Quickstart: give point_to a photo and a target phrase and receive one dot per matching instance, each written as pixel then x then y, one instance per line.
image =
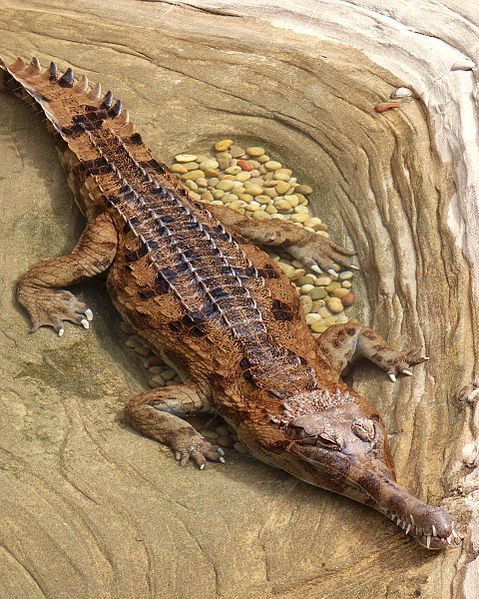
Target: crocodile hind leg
pixel 341 343
pixel 155 414
pixel 313 250
pixel 40 291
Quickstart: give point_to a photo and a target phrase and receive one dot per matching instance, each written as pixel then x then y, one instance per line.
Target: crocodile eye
pixel 364 429
pixel 330 440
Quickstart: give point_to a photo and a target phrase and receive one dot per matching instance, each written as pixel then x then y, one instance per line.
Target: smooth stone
pixel 318 293
pixel 225 185
pixel 307 289
pixel 304 189
pixel 279 176
pixel 223 145
pixel 312 318
pixel 254 151
pixel 282 187
pixel 334 304
pixel 282 205
pixel 210 163
pixel 323 281
pixel 243 176
pixel 193 175
pixel 191 185
pixel 229 197
pixel 254 190
pixel 292 200
pixel 207 196
pixel 306 303
pixel 185 157
pixel 298 218
pixel 262 159
pixel 179 169
pixel 307 280
pixel 345 275
pixel 348 300
pixel 272 165
pixel 261 215
pixel 237 151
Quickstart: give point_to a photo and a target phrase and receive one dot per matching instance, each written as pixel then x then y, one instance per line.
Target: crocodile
pixel 194 282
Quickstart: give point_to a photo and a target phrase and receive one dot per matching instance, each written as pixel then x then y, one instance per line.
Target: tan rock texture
pixel 89 509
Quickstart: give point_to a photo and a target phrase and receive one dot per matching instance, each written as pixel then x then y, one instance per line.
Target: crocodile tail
pixel 76 110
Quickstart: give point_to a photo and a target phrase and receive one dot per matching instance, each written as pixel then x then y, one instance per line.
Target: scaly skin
pixel 193 283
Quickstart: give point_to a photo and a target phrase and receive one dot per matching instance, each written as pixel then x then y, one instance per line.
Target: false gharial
pixel 192 281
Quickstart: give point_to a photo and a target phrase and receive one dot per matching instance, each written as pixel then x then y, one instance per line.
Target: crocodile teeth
pixel 67 79
pixel 434 532
pixel 408 529
pixel 96 91
pixel 406 372
pixel 392 377
pixel 316 268
pixel 412 519
pixel 53 70
pixel 428 541
pixel 354 267
pixel 83 85
pixel 107 100
pixel 117 108
pixel 35 66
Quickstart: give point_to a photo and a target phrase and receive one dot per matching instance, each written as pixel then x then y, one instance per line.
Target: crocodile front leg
pixel 154 414
pixel 341 343
pixel 38 289
pixel 313 250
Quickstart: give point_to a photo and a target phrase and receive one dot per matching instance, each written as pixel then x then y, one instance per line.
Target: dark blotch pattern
pixel 282 311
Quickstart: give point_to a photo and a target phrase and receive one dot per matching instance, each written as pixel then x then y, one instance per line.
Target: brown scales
pixel 193 283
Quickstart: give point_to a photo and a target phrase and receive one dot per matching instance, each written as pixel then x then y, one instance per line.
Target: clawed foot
pixel 52 308
pixel 195 446
pixel 320 254
pixel 401 362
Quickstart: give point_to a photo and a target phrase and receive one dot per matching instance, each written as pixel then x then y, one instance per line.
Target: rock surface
pixel 92 510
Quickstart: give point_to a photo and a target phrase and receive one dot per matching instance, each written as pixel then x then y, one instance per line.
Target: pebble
pixel 236 151
pixel 335 305
pixel 180 169
pixel 304 289
pixel 252 189
pixel 348 300
pixel 346 284
pixel 272 165
pixel 346 275
pixel 401 92
pixel 209 163
pixel 213 435
pixel 253 151
pixel 282 187
pixel 223 145
pixel 225 185
pixel 341 292
pixel 278 176
pixel 306 303
pixel 304 189
pixel 193 175
pixel 185 157
pixel 323 281
pixel 225 441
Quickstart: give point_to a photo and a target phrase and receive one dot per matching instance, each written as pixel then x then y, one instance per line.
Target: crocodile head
pixel 344 449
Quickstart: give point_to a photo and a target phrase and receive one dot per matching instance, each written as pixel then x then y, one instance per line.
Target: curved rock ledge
pixel 89 509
